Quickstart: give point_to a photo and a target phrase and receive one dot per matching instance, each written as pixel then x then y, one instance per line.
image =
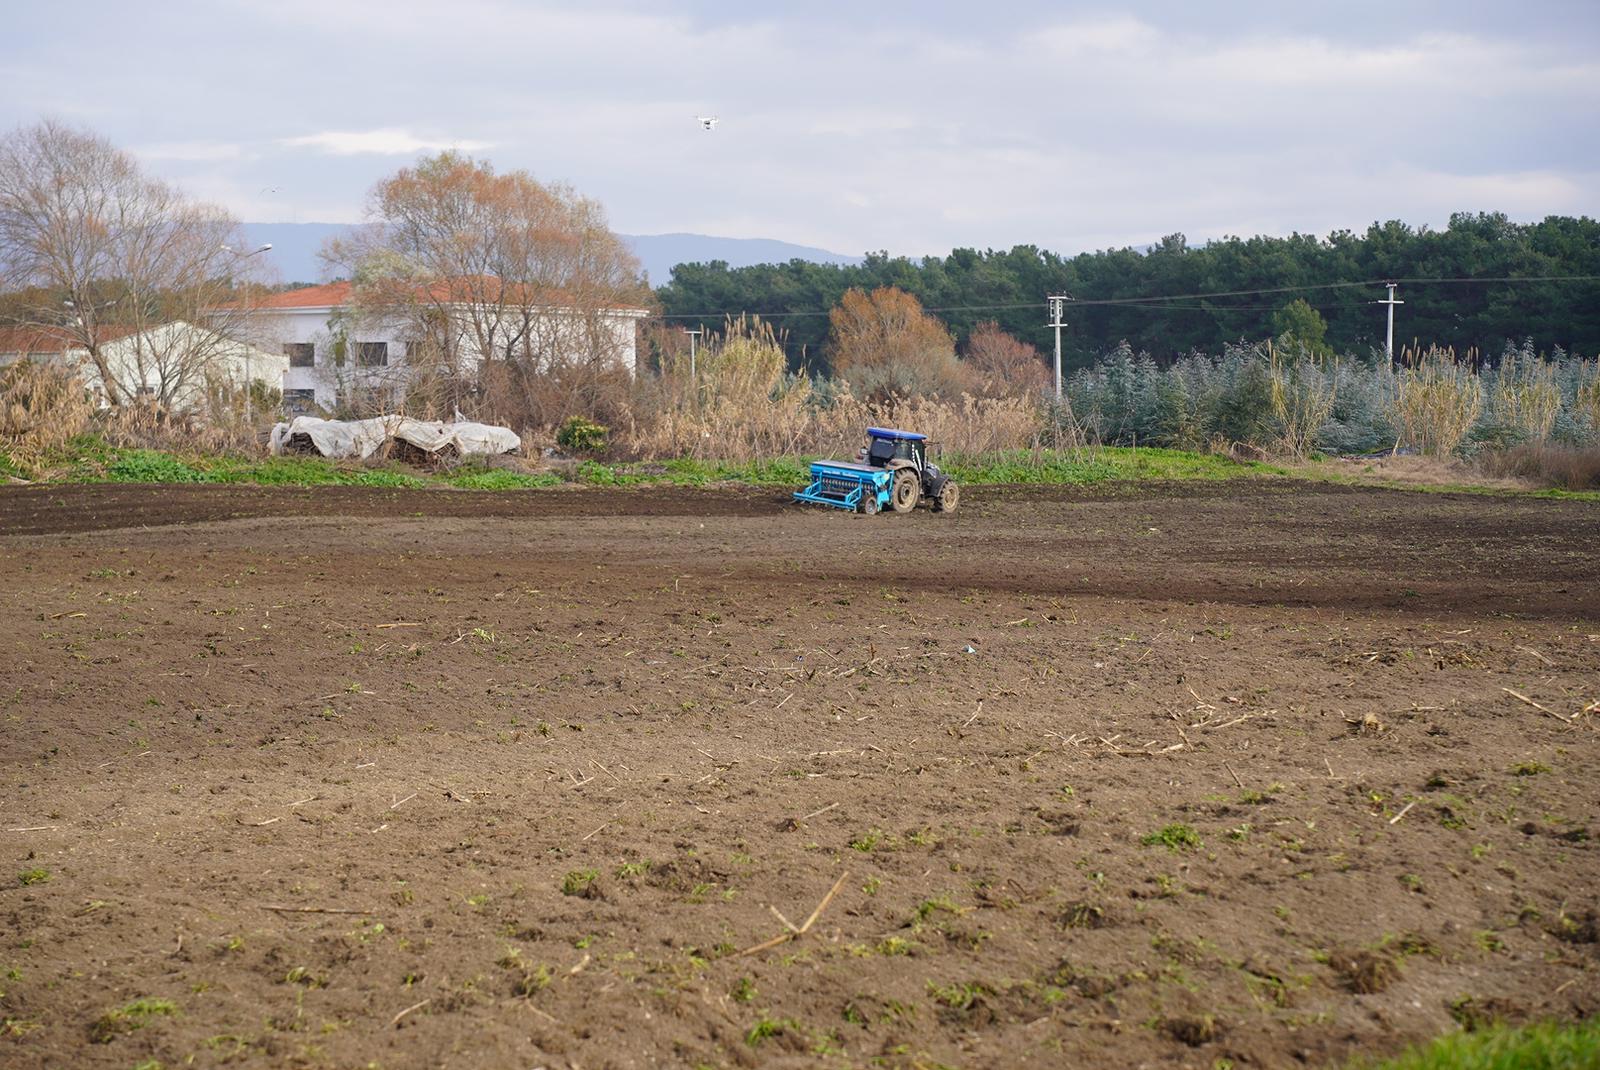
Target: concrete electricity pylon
pixel 1058 307
pixel 694 336
pixel 1388 343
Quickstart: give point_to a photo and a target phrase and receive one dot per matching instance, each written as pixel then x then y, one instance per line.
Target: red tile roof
pixel 327 296
pixel 334 294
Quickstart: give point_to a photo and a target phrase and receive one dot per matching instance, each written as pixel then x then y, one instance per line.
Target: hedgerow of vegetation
pixel 1429 401
pixel 737 414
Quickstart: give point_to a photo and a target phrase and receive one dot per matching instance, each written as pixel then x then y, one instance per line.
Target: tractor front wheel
pixel 907 491
pixel 949 497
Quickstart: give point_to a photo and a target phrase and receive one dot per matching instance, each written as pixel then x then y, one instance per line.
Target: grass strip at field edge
pixel 91 460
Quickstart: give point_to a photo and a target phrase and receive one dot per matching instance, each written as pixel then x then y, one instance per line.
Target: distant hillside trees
pixel 963 288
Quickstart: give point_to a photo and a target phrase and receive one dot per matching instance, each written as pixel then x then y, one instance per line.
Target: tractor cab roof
pixel 898 436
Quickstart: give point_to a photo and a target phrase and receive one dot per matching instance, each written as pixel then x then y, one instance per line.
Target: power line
pixel 1165 301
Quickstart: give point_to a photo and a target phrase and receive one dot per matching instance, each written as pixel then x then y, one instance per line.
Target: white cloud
pixel 387 141
pixel 1121 36
pixel 1071 126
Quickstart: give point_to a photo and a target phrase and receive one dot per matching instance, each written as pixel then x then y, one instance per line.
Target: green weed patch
pixel 1544 1046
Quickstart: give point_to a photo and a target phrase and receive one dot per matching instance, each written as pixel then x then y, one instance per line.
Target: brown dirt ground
pixel 433 714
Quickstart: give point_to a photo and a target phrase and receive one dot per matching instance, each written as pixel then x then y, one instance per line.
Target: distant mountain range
pixel 295 245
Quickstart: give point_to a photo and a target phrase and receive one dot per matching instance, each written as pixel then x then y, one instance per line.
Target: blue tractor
pixel 892 471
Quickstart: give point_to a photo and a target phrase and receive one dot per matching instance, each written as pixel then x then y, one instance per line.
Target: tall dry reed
pixel 1302 400
pixel 1437 400
pixel 1526 399
pixel 1586 395
pixel 741 404
pixel 152 427
pixel 42 407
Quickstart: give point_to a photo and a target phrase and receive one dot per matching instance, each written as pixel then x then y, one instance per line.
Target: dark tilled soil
pixel 1266 773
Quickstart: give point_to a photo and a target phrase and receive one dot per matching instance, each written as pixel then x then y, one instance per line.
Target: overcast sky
pixel 852 126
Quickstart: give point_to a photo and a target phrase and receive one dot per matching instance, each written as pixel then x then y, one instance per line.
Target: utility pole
pixel 1058 306
pixel 1388 344
pixel 693 334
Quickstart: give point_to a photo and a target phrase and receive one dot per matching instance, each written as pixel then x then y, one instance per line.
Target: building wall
pixel 322 384
pixel 166 349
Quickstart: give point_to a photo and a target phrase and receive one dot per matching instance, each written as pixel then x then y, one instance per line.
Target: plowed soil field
pixel 1248 775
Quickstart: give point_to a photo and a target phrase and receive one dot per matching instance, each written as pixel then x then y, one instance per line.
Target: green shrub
pixel 1125 398
pixel 603 475
pixel 150 466
pixel 579 435
pixel 779 472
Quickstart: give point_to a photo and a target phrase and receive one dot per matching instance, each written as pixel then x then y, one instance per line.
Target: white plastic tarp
pixel 363 438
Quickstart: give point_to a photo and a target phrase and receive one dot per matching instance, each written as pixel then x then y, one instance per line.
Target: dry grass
pixel 1437 401
pixel 1302 401
pixel 1545 465
pixel 1416 471
pixel 1586 395
pixel 151 427
pixel 42 407
pixel 742 405
pixel 1525 396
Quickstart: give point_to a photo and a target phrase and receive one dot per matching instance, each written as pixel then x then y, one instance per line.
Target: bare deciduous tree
pixel 885 345
pixel 483 269
pixel 1006 365
pixel 107 257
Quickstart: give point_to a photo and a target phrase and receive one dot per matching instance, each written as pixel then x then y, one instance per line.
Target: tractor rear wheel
pixel 907 491
pixel 949 497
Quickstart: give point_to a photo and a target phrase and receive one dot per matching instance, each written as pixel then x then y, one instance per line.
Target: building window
pixel 299 402
pixel 366 401
pixel 372 354
pixel 300 354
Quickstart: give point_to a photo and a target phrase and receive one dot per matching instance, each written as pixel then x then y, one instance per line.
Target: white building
pixel 173 363
pixel 336 355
